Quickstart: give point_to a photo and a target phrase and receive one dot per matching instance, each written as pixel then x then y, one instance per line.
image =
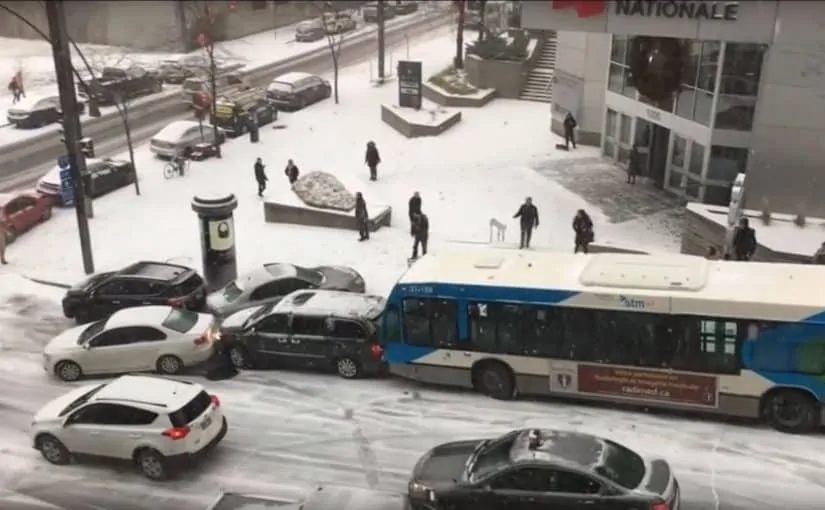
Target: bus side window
pixel 417 321
pixel 431 322
pixel 391 321
pixel 482 327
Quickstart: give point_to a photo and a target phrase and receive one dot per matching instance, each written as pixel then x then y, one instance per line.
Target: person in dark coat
pixel 744 241
pixel 420 233
pixel 528 216
pixel 362 217
pixel 569 130
pixel 414 206
pixel 634 164
pixel 260 176
pixel 583 230
pixel 372 158
pixel 291 171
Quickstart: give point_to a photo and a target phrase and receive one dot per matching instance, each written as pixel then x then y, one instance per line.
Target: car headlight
pixel 421 492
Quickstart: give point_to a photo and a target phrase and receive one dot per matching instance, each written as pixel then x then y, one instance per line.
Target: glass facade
pixel 719 91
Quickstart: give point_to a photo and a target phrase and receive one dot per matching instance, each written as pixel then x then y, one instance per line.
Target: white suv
pixel 159 424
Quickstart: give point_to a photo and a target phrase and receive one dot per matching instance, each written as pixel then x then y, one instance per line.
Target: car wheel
pixel 169 365
pixel 495 380
pixel 240 357
pixel 792 411
pixel 11 235
pixel 68 371
pixel 47 213
pixel 53 450
pixel 152 464
pixel 347 368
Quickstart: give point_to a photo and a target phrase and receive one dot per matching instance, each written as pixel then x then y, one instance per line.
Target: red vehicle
pixel 22 210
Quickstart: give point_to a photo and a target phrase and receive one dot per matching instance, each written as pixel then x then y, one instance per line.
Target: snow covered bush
pixel 453 82
pixel 325 191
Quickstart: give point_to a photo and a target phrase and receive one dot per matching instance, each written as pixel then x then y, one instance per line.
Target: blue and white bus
pixel 673 331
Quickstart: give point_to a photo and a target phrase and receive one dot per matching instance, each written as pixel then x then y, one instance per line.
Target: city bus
pixel 743 339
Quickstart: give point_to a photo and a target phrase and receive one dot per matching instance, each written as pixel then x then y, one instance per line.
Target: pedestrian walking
pixel 291 171
pixel 414 206
pixel 570 125
pixel 16 87
pixel 819 256
pixel 528 216
pixel 583 231
pixel 634 164
pixel 362 217
pixel 372 158
pixel 3 234
pixel 420 233
pixel 744 241
pixel 260 176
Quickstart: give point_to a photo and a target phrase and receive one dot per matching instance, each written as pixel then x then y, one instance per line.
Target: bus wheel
pixel 494 379
pixel 793 411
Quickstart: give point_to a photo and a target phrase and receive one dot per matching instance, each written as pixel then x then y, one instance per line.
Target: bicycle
pixel 175 167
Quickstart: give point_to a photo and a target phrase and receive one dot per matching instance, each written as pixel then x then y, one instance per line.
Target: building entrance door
pixel 652 140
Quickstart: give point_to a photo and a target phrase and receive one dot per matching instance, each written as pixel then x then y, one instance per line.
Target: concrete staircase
pixel 539 83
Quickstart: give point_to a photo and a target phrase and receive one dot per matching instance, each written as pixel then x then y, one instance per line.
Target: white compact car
pixel 172 140
pixel 160 424
pixel 160 338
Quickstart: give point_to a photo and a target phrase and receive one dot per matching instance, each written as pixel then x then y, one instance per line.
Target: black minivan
pixel 313 329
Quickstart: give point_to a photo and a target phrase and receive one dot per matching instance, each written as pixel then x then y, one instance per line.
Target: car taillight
pixel 176 433
pixel 660 505
pixel 215 400
pixel 377 351
pixel 176 302
pixel 201 340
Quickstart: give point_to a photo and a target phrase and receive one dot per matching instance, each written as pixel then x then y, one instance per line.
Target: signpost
pixel 409 84
pixel 66 182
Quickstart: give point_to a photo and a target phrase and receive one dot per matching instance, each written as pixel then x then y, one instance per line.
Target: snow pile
pixel 324 190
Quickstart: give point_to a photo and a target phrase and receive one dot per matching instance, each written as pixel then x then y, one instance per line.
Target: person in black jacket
pixel 744 241
pixel 529 219
pixel 260 176
pixel 569 130
pixel 583 229
pixel 372 158
pixel 362 217
pixel 420 233
pixel 634 164
pixel 414 206
pixel 291 171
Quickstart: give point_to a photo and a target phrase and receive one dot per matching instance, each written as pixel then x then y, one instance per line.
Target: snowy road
pixel 291 432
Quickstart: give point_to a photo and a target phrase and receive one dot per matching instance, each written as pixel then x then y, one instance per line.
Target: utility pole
pixel 59 37
pixel 381 42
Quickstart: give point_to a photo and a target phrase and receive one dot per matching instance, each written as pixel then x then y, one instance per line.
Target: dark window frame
pixel 432 334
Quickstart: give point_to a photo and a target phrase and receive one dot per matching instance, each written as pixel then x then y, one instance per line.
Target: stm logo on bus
pixel 635 303
pixel 584 8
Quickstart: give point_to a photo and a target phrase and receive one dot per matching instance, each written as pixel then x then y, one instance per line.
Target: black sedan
pixel 102 177
pixel 535 468
pixel 279 279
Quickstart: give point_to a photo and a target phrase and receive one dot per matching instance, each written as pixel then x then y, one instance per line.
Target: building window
pixel 611 123
pixel 692 187
pixel 697 158
pixel 739 86
pixel 618 49
pixel 685 102
pixel 609 150
pixel 679 151
pixel 703 107
pixel 726 162
pixel 708 66
pixel 717 195
pixel 615 82
pixel 624 129
pixel 691 68
pixel 675 179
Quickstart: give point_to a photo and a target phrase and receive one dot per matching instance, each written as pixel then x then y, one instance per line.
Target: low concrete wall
pixel 503 76
pixel 439 96
pixel 275 212
pixel 411 130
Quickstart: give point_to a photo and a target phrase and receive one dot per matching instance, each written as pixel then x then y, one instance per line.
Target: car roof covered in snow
pixel 151 391
pixel 257 277
pixel 139 316
pixel 557 447
pixel 292 77
pixel 331 302
pixel 174 130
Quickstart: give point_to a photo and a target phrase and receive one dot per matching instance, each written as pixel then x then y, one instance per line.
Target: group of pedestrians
pixel 528 215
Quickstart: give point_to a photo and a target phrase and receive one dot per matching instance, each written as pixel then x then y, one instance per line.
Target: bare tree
pixel 205 24
pixel 335 29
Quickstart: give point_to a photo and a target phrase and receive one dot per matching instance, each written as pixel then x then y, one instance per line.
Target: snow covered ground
pixel 291 432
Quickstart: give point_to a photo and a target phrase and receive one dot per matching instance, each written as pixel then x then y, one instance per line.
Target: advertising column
pixel 217 229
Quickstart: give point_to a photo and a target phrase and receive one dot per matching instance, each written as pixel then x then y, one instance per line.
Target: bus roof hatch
pixel 677 272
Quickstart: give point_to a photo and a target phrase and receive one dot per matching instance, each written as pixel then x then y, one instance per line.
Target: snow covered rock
pixel 324 190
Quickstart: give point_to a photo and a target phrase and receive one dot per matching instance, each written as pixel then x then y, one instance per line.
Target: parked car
pixel 339 22
pixel 181 134
pixel 370 12
pixel 310 31
pixel 403 8
pixel 535 468
pixel 102 176
pixel 296 90
pixel 199 84
pixel 21 211
pixel 322 329
pixel 34 111
pixel 139 284
pixel 150 338
pixel 115 85
pixel 158 425
pixel 174 72
pixel 235 111
pixel 278 279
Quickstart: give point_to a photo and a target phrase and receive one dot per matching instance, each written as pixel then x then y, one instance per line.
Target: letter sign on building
pixel 695 10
